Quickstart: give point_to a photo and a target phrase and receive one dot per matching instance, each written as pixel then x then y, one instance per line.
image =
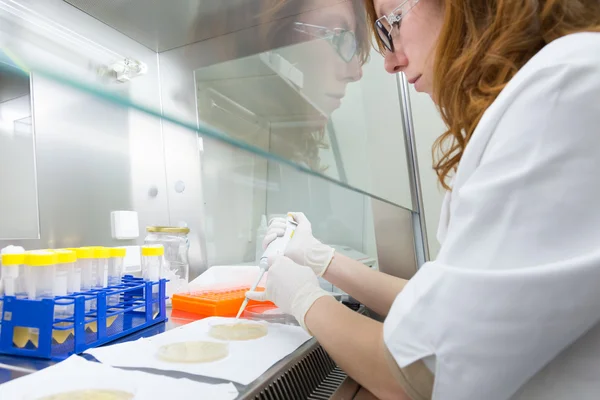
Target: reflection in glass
pixel 302 88
pixel 281 97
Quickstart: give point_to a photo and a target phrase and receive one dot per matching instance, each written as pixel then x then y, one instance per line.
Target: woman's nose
pixel 395 62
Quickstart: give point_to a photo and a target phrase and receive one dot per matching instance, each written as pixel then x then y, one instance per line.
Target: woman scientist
pixel 509 309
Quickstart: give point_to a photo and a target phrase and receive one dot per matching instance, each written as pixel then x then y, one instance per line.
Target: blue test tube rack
pixel 136 308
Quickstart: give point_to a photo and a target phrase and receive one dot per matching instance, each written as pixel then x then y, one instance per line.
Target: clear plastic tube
pixel 39 271
pixel 62 280
pixel 115 271
pixel 100 267
pixel 152 266
pixel 75 278
pixel 82 278
pixel 84 265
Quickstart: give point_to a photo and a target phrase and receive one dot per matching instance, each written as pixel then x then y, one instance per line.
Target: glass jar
pixel 176 244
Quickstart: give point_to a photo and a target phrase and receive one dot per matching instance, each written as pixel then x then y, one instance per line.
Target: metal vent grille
pixel 314 377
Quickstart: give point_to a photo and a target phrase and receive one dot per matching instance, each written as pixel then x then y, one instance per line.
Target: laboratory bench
pixel 307 373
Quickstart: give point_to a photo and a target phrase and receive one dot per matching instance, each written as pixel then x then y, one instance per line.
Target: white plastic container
pixel 152 266
pixel 115 271
pixel 13 275
pixel 40 268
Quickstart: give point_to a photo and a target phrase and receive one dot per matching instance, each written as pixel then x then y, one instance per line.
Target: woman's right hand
pixel 303 248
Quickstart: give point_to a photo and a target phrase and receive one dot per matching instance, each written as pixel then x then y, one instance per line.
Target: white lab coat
pixel 517 280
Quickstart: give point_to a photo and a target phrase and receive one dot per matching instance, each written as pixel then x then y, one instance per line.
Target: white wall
pixel 428 126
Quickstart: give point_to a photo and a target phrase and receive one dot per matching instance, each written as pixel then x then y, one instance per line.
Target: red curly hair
pixel 482 45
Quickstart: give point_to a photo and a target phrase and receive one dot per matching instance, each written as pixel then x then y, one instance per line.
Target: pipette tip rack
pixel 42 328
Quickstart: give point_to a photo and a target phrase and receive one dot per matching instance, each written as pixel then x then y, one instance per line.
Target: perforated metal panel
pixel 314 377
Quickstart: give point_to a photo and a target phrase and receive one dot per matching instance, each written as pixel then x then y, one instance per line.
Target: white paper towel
pixel 247 360
pixel 76 373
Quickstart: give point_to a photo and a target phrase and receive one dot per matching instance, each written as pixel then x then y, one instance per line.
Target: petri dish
pixel 238 330
pixel 193 352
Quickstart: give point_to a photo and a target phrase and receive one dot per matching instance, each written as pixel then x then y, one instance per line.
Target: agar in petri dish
pixel 91 394
pixel 238 331
pixel 193 352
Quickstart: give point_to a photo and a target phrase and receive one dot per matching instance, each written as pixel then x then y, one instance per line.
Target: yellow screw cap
pixel 157 250
pixel 66 256
pixel 40 258
pixel 101 252
pixel 13 259
pixel 83 252
pixel 118 252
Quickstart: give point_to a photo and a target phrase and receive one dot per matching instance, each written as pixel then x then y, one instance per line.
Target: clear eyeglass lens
pixel 347 46
pixel 384 38
pixel 386 24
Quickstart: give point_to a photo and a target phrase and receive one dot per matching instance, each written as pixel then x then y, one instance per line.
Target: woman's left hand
pixel 292 287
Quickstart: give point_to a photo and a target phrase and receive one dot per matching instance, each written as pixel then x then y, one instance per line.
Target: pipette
pixel 275 248
pixel 245 303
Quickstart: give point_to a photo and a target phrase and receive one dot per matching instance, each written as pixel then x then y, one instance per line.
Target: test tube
pixel 99 270
pixel 115 271
pixel 13 275
pixel 84 265
pixel 74 277
pixel 65 269
pixel 40 267
pixel 152 265
pixel 82 274
pixel 100 267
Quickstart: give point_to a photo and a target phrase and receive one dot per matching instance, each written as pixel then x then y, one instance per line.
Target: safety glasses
pixel 385 25
pixel 342 40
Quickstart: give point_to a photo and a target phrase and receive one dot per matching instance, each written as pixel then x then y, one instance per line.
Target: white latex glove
pixel 293 288
pixel 303 248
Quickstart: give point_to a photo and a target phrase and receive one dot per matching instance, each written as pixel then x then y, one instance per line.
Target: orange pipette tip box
pixel 214 303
